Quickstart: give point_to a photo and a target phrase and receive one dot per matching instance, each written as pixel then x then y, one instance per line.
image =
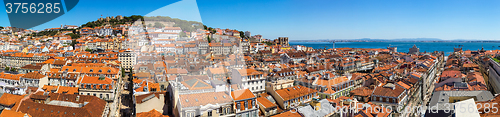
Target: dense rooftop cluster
pixel 135 69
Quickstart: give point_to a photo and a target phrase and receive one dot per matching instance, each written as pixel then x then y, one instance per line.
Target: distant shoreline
pixel 486 41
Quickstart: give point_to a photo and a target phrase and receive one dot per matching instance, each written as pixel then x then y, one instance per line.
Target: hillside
pixel 158 21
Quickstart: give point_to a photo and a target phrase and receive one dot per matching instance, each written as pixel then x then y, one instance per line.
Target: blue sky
pixel 313 19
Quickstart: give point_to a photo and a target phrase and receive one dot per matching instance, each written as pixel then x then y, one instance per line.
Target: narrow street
pixel 116 105
pixel 126 106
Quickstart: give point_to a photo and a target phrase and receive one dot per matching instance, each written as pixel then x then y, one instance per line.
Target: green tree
pixel 209 40
pixel 158 25
pixel 242 34
pixel 73 36
pixel 73 43
pixel 268 43
pixel 13 69
pixel 123 72
pixel 182 34
pixel 205 27
pixel 213 31
pixel 7 68
pixel 88 50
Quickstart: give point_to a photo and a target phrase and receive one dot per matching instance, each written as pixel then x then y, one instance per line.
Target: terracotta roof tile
pixel 362 91
pixel 10 76
pixel 94 107
pixel 10 99
pixel 385 90
pixel 294 92
pixel 68 90
pixel 249 72
pixel 198 99
pixel 152 113
pixel 242 94
pixel 288 114
pixel 95 80
pixel 33 75
pixel 36 66
pixel 219 70
pixel 11 113
pixel 265 102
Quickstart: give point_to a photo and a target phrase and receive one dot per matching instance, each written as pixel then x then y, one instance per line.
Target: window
pixel 238 105
pixel 209 113
pixel 246 104
pixel 253 103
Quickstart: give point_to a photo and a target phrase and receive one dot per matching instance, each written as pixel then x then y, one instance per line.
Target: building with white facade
pixel 249 79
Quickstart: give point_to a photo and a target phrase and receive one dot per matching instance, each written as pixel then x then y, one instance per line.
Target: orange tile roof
pixel 331 82
pixel 33 75
pixel 294 92
pixel 400 83
pixel 177 71
pixel 265 102
pixel 93 108
pixel 54 70
pixel 249 72
pixel 242 94
pixel 10 76
pixel 10 99
pixel 152 113
pixel 288 114
pixel 95 80
pixel 68 90
pixel 49 88
pixel 362 91
pixel 387 91
pixel 197 99
pixel 48 61
pixel 11 113
pixel 92 70
pixel 218 70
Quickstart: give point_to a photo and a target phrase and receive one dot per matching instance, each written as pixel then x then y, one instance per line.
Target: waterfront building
pixel 414 50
